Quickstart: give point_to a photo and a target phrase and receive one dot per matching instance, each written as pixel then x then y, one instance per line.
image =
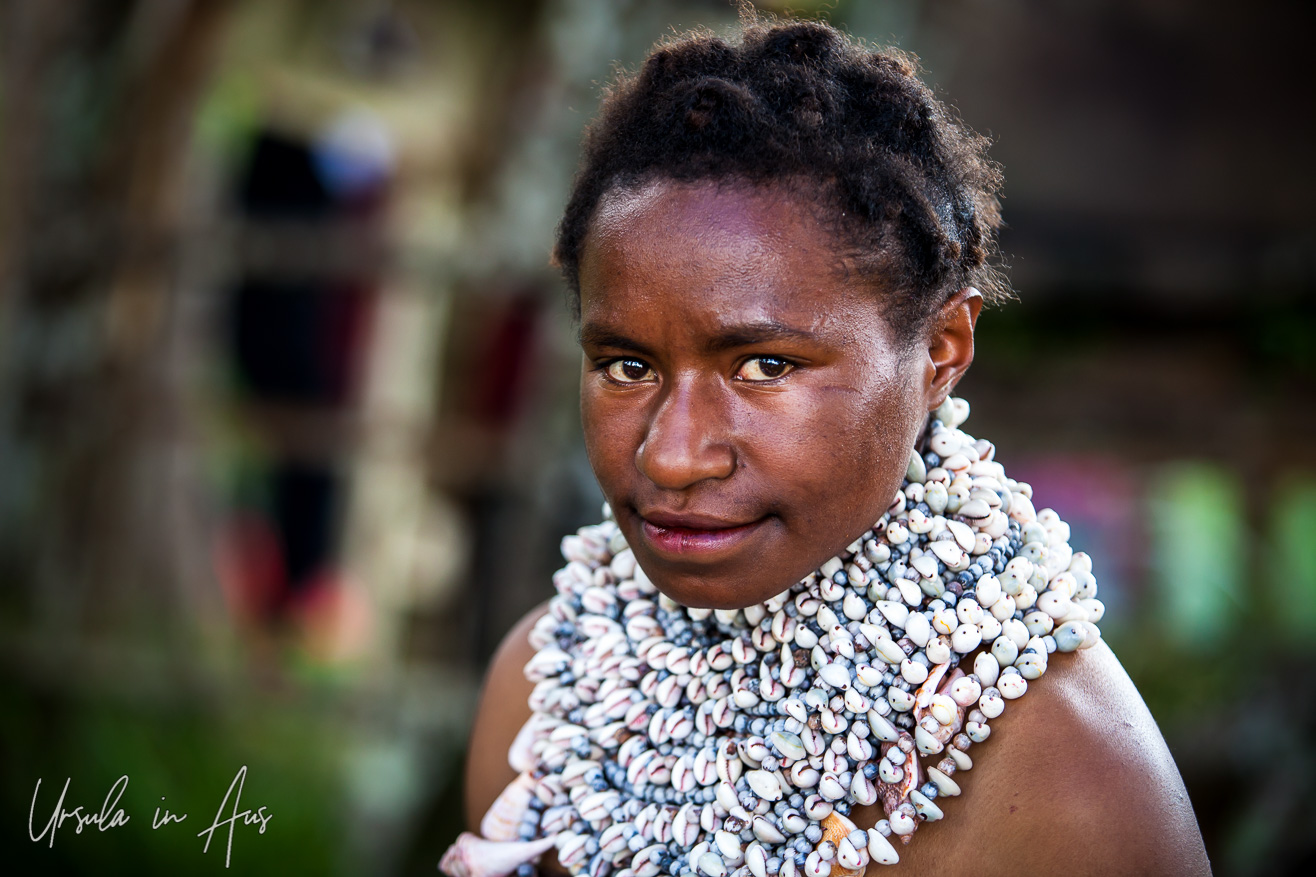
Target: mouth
pixel 690 536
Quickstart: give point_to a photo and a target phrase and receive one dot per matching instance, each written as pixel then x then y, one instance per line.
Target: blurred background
pixel 288 429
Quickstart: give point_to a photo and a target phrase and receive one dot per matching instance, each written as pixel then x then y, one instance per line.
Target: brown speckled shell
pixel 503 821
pixel 836 827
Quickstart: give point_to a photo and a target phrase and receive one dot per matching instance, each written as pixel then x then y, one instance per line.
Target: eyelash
pixel 607 368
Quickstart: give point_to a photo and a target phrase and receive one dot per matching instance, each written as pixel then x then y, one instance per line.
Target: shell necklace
pixel 673 741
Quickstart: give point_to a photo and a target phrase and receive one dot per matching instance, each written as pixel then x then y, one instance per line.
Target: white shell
pixel 857 748
pixel 685 825
pixel 991 703
pixel 764 784
pixel 895 613
pixel 756 859
pixel 1012 685
pixel 986 668
pixel 945 785
pixel 711 864
pixel 726 795
pixel 880 849
pixel 938 650
pixel 944 709
pixel 926 565
pixel 924 805
pixel 1031 665
pixel 1016 630
pixel 926 743
pixel 964 536
pixel 1005 650
pixel 917 628
pixel 901 823
pixel 848 857
pixel 882 729
pixel 862 789
pixel 804 776
pixel 965 690
pixel 950 554
pixel 966 638
pixel 975 510
pixel 968 611
pixel 1054 603
pixel 909 592
pixel 854 607
pixel 868 675
pixel 817 808
pixel 728 845
pixel 901 701
pixel 832 721
pixel 830 787
pixel 1069 636
pixel 888 651
pixel 473 856
pixel 836 676
pixel 914 672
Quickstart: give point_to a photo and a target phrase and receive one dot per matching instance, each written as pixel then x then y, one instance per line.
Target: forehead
pixel 726 223
pixel 717 248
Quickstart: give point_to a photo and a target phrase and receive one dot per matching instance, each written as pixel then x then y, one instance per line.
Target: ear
pixel 950 344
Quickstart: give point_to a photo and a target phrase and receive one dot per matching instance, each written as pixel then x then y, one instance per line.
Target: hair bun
pixel 712 99
pixel 800 42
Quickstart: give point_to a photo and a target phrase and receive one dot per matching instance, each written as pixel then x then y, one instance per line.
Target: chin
pixel 744 574
pixel 703 592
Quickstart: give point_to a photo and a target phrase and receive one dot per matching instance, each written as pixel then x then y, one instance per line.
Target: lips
pixel 693 535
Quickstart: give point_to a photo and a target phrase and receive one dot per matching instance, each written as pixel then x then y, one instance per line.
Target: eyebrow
pixel 758 332
pixel 728 338
pixel 599 336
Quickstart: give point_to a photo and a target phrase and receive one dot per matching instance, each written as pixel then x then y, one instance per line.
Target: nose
pixel 687 440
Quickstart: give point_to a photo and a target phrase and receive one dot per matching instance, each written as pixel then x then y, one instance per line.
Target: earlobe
pixel 950 345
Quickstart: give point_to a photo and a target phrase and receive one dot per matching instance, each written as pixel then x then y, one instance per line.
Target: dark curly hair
pixel 799 104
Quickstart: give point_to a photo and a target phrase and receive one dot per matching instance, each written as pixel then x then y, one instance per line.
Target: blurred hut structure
pixel 287 404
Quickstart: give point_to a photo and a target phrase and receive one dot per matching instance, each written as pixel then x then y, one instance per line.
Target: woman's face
pixel 747 410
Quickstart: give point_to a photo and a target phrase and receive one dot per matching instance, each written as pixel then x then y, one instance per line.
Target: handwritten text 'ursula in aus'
pixel 228 817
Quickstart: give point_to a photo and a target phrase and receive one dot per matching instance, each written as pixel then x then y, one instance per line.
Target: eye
pixel 763 368
pixel 628 371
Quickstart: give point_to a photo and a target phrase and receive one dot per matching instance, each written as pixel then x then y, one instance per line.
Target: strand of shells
pixel 668 740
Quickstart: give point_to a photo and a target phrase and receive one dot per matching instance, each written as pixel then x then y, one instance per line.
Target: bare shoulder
pixel 1076 779
pixel 1114 784
pixel 503 709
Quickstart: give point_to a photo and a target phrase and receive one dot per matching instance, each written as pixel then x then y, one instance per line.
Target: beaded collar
pixel 668 740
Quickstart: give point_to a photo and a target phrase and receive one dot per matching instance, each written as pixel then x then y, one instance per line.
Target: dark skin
pixel 748 412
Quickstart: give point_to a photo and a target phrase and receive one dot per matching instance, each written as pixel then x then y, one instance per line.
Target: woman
pixel 779 250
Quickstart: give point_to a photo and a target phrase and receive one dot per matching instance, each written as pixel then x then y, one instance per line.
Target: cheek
pixel 840 451
pixel 594 427
pixel 607 430
pixel 893 420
